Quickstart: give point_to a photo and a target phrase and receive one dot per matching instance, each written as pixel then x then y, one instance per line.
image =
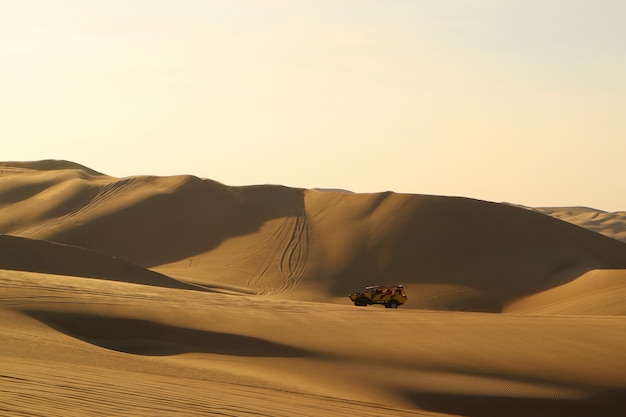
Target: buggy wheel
pixel 361 302
pixel 392 304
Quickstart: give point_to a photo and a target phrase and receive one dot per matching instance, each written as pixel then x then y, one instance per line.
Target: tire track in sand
pixel 102 194
pixel 288 256
pixel 295 255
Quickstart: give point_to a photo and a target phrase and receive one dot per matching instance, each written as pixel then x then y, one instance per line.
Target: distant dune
pixel 45 165
pixel 609 224
pixel 333 190
pixel 184 296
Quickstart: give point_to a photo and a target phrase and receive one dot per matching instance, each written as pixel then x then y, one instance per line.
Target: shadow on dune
pixel 606 404
pixel 463 299
pixel 143 337
pixel 501 251
pixel 21 254
pixel 193 218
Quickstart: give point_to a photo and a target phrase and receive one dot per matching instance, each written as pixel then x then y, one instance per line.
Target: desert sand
pixel 611 224
pixel 182 296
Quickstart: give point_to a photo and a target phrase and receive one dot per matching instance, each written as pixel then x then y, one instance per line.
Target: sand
pixel 182 296
pixel 611 224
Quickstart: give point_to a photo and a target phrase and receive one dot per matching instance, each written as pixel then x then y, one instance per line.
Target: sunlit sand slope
pixel 87 347
pixel 598 292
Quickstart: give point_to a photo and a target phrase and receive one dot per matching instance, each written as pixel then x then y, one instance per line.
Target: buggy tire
pixel 361 302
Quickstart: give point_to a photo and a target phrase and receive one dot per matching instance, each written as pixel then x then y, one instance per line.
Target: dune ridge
pixel 47 165
pixel 178 295
pixel 609 224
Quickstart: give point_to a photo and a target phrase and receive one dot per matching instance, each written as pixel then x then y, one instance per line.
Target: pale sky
pixel 500 100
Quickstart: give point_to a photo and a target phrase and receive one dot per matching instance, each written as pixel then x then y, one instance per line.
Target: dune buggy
pixel 391 296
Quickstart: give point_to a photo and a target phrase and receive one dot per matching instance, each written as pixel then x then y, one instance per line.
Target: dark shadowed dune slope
pixel 23 254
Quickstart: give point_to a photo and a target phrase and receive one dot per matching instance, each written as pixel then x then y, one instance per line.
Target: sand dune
pixel 609 224
pixel 23 254
pixel 45 165
pixel 597 292
pixel 497 250
pixel 243 310
pixel 306 244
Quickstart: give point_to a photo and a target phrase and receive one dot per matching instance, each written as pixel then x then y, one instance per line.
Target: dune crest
pixel 46 165
pixel 609 224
